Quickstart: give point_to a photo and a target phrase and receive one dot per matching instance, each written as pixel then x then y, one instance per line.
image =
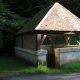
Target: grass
pixel 12 65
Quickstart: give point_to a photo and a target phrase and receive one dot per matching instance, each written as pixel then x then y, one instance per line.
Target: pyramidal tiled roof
pixel 53 18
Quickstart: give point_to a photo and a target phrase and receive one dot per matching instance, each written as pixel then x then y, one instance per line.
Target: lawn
pixel 13 65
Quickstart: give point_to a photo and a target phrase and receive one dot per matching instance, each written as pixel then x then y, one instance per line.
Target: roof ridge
pixel 47 14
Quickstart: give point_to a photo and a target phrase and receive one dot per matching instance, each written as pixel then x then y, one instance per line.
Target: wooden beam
pixel 68 38
pixel 52 38
pixel 40 39
pixel 60 34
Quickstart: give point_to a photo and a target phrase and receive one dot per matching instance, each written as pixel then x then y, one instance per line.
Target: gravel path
pixel 72 76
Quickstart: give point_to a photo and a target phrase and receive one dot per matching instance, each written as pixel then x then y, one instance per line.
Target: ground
pixel 71 76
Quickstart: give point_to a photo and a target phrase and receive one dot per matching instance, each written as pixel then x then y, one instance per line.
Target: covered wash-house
pixel 53 21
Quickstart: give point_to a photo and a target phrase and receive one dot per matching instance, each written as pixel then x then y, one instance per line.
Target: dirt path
pixel 72 76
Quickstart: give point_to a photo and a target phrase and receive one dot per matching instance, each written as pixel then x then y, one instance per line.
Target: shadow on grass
pixel 13 64
pixel 16 65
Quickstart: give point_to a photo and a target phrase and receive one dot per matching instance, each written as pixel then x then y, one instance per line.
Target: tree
pixel 10 23
pixel 29 8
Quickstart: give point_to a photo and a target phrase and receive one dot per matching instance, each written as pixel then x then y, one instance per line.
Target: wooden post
pixel 22 41
pixel 40 39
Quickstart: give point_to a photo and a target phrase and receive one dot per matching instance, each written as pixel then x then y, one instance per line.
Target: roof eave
pixel 50 32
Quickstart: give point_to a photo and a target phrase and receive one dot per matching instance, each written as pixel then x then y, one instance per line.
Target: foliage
pixel 61 40
pixel 47 41
pixel 75 40
pixel 28 8
pixel 10 23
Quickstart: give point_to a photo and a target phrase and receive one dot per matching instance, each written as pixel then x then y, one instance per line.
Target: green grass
pixel 12 65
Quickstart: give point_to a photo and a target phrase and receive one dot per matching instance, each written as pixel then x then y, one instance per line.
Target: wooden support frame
pixel 68 38
pixel 40 39
pixel 52 38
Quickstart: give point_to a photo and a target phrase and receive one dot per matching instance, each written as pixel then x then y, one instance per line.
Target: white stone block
pixel 34 57
pixel 67 55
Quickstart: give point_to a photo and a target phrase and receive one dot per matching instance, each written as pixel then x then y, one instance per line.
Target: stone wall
pixel 66 55
pixel 18 41
pixel 27 41
pixel 25 48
